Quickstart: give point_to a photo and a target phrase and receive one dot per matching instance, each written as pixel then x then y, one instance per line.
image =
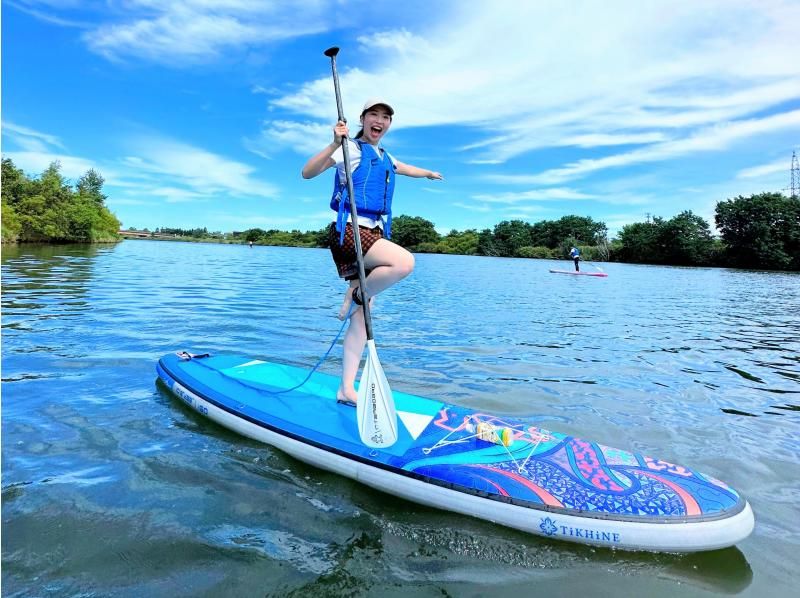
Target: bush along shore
pixel 48 209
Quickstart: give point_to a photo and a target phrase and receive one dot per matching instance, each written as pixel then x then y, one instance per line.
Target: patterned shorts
pixel 344 255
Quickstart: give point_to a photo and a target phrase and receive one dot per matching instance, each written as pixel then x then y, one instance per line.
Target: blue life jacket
pixel 373 186
pixel 575 253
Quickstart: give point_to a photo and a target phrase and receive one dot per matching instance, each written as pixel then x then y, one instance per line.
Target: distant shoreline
pixel 150 236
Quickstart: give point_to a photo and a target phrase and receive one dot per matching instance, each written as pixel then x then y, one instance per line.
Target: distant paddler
pixel 575 254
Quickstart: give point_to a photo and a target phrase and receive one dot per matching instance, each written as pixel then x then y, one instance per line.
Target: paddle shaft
pixel 592 264
pixel 362 277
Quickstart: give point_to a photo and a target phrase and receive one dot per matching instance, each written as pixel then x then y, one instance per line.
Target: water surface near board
pixel 111 487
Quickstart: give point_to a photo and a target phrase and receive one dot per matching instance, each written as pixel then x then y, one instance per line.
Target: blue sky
pixel 203 112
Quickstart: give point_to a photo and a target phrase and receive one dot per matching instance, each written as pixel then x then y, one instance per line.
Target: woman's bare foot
pixel 344 311
pixel 349 397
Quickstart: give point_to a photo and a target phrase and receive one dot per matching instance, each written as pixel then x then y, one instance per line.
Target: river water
pixel 112 487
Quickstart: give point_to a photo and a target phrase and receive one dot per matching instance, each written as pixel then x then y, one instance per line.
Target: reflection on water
pixel 111 487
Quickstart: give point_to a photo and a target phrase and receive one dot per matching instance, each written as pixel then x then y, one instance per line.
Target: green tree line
pixel 48 209
pixel 283 238
pixel 760 231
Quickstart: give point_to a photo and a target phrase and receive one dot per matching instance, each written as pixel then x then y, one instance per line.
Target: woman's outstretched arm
pixel 417 172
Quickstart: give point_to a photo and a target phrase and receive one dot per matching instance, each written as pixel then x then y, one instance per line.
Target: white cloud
pixel 34 163
pixel 523 212
pixel 472 207
pixel 171 171
pixel 606 139
pixel 305 138
pixel 536 75
pixel 552 194
pixel 176 195
pixel 713 138
pixel 781 165
pixel 116 201
pixel 30 140
pixel 401 41
pixel 199 171
pixel 189 32
pixel 615 222
pixel 44 11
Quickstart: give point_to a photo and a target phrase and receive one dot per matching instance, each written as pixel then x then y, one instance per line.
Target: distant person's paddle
pixel 592 264
pixel 375 412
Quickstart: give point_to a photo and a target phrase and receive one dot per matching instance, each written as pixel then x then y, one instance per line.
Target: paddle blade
pixel 375 413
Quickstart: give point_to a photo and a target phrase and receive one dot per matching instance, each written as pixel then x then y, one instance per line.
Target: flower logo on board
pixel 548 526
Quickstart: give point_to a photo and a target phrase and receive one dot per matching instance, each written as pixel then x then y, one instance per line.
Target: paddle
pixel 375 412
pixel 593 265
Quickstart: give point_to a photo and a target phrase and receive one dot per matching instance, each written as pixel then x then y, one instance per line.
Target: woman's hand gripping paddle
pixel 375 412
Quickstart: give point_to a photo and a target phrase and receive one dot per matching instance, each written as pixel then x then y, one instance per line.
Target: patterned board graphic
pixel 562 471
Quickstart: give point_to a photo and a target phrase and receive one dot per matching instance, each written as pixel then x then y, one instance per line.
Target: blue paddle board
pixel 501 469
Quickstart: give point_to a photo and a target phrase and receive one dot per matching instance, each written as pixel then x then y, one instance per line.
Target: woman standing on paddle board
pixel 575 254
pixel 385 262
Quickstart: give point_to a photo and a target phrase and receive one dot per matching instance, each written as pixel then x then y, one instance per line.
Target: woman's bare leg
pixel 389 263
pixel 355 339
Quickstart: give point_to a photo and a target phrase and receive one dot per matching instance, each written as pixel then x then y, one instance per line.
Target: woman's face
pixel 376 122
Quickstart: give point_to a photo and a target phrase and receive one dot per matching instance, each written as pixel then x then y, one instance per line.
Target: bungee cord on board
pixel 501 435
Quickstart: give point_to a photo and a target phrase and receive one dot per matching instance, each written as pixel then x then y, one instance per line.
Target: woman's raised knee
pixel 405 266
pixel 398 261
